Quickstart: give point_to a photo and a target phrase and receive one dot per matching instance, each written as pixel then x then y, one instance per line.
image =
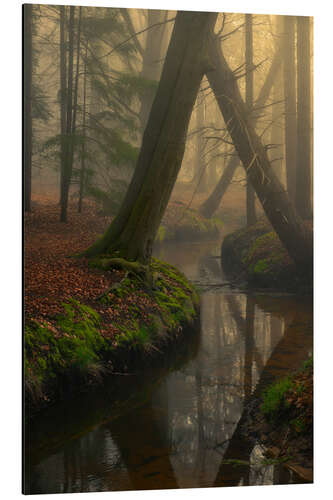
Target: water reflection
pixel 188 432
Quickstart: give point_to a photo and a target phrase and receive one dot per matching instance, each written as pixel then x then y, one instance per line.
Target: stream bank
pixel 256 255
pixel 127 327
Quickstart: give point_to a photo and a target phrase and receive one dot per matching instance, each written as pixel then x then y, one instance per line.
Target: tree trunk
pixel 289 79
pixel 151 61
pixel 250 197
pixel 209 207
pixel 200 173
pixel 303 165
pixel 276 153
pixel 63 96
pixel 291 230
pixel 133 231
pixel 27 122
pixel 83 148
pixel 66 178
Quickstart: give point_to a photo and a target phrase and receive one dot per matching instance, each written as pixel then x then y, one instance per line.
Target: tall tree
pixel 250 195
pixel 67 166
pixel 294 235
pixel 303 165
pixel 289 82
pixel 27 98
pixel 62 95
pixel 200 167
pixel 133 231
pixel 82 175
pixel 152 60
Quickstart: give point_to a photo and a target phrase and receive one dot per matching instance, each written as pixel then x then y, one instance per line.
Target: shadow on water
pixel 183 427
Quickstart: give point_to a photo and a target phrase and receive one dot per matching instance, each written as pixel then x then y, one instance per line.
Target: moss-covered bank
pixel 75 350
pixel 181 223
pixel 255 254
pixel 286 415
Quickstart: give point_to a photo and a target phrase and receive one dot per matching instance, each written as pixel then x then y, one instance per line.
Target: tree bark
pixel 291 230
pixel 133 231
pixel 151 61
pixel 66 178
pixel 63 96
pixel 303 165
pixel 209 207
pixel 250 196
pixel 200 168
pixel 289 79
pixel 83 148
pixel 27 122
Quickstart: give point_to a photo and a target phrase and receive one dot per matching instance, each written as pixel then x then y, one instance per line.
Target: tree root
pixel 107 263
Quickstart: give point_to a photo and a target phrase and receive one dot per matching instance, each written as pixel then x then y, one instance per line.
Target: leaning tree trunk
pixel 303 165
pixel 133 231
pixel 209 207
pixel 291 230
pixel 27 99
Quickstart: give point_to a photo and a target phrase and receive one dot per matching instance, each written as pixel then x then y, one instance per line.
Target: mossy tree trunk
pixel 209 207
pixel 291 230
pixel 133 231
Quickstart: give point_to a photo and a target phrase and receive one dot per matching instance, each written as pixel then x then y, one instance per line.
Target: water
pixel 181 428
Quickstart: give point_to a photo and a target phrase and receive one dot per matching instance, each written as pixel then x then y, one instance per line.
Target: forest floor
pixel 73 311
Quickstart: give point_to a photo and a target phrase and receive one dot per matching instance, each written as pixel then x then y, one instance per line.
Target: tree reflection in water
pixel 191 424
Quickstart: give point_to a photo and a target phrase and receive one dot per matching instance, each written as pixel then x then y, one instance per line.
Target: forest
pixel 168 249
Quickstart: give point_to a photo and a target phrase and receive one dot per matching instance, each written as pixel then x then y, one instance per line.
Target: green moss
pixel 274 403
pixel 74 345
pixel 261 266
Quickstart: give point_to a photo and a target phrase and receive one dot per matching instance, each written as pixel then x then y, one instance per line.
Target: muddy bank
pixel 129 326
pixel 256 255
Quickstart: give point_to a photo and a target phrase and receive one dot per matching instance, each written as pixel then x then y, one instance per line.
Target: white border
pixel 10 200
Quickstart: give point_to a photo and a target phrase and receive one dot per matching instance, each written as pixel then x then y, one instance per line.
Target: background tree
pixel 27 99
pixel 303 166
pixel 250 195
pixel 289 79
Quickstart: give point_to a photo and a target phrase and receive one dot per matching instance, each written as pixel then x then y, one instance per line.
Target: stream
pixel 180 429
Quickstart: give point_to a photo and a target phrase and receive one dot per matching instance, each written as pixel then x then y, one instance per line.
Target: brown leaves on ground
pixel 53 276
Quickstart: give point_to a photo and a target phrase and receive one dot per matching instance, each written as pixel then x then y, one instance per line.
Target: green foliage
pixel 274 402
pixel 261 266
